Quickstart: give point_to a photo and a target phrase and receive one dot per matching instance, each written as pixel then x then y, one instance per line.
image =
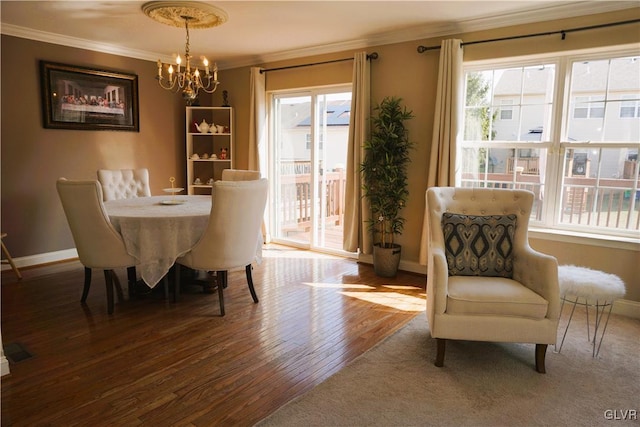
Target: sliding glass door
pixel 309 146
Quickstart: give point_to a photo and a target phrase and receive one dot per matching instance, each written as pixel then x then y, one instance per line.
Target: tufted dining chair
pixel 484 281
pixel 229 242
pixel 124 183
pixel 239 175
pixel 98 243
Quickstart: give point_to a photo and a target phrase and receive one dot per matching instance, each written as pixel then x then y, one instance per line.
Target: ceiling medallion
pixel 201 15
pixel 187 14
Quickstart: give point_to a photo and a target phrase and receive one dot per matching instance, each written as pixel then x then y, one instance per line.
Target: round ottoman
pixel 591 288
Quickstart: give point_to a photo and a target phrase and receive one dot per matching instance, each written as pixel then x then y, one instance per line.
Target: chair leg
pixel 541 352
pixel 109 283
pixel 87 284
pixel 441 343
pixel 221 277
pixel 9 259
pixel 247 270
pixel 131 279
pixel 118 288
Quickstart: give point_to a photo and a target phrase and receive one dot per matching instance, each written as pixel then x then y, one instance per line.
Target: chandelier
pixel 188 78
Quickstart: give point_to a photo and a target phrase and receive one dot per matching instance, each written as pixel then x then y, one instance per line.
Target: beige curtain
pixel 446 122
pixel 258 133
pixel 356 210
pixel 257 122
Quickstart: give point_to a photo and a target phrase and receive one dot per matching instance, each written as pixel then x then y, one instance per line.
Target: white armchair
pixel 98 243
pixel 124 183
pixel 229 242
pixel 484 281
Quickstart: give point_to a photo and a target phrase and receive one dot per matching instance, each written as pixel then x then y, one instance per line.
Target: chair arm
pixel 539 272
pixel 437 281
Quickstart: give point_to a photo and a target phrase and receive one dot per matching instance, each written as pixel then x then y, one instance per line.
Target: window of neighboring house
pixel 579 159
pixel 308 141
pixel 629 107
pixel 588 107
pixel 506 110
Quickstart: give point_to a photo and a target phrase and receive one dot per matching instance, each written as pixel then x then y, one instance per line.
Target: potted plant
pixel 384 174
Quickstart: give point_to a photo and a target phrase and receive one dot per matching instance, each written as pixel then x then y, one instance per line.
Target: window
pixel 506 112
pixel 629 107
pixel 566 128
pixel 588 107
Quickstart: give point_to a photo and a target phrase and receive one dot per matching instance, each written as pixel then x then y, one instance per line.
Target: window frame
pixel 556 142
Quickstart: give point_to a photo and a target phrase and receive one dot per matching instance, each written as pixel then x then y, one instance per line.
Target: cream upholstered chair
pixel 239 175
pixel 229 242
pixel 98 243
pixel 124 183
pixel 484 282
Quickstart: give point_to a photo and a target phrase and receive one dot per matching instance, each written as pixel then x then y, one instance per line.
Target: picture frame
pixel 81 98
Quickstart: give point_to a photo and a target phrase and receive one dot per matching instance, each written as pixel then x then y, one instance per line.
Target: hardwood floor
pixel 159 363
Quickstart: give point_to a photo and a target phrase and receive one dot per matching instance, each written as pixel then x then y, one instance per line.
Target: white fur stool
pixel 597 288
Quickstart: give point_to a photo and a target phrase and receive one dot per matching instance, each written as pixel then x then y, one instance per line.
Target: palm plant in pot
pixel 384 174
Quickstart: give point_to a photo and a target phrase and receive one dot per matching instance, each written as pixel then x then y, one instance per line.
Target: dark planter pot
pixel 386 260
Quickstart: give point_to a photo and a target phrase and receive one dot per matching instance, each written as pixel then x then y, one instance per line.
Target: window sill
pixel 615 242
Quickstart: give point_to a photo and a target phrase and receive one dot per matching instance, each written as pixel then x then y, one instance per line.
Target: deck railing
pixel 612 205
pixel 296 200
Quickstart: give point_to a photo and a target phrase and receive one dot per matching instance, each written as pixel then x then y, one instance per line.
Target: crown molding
pixel 74 42
pixel 544 13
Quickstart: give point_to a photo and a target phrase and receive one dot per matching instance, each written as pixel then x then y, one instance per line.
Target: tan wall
pixel 33 157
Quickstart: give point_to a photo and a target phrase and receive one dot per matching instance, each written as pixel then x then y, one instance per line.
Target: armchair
pixel 484 281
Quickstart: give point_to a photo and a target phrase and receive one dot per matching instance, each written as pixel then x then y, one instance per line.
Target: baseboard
pixel 628 308
pixel 31 260
pixel 4 366
pixel 410 266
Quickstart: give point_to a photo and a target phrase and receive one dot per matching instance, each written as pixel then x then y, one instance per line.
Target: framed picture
pixel 88 99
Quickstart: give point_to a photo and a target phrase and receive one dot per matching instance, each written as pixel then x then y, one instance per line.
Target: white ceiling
pixel 262 31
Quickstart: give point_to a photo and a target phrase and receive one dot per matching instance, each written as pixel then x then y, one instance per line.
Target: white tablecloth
pixel 156 233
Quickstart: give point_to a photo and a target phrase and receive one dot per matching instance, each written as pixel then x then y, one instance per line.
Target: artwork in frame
pixel 83 98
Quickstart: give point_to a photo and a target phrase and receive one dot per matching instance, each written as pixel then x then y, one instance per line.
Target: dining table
pixel 159 229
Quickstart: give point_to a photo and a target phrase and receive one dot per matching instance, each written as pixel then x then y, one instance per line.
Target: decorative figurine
pixel 223 154
pixel 225 98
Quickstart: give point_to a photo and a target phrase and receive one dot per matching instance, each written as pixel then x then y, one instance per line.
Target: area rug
pixel 481 384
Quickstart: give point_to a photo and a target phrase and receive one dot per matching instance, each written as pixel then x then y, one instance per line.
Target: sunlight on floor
pixel 273 251
pixel 338 285
pixel 394 300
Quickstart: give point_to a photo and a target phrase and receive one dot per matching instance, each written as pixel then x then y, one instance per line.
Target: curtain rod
pixel 373 55
pixel 422 49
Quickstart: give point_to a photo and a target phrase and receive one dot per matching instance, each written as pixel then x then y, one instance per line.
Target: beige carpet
pixel 481 384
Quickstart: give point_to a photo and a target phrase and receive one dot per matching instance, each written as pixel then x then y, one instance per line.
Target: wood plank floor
pixel 159 363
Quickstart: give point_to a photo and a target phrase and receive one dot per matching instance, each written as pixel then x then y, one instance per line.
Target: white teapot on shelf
pixel 203 127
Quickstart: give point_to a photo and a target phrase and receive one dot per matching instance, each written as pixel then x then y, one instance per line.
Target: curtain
pixel 446 121
pixel 258 134
pixel 356 211
pixel 258 122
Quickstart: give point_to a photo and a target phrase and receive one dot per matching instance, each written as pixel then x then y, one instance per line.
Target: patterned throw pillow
pixel 479 245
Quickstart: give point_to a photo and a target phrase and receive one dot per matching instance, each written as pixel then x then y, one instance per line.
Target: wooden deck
pixel 159 363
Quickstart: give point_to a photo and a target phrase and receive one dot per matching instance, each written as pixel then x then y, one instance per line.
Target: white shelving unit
pixel 206 144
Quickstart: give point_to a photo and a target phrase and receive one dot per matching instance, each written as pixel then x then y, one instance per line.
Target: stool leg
pixel 596 352
pixel 11 263
pixel 568 323
pixel 586 307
